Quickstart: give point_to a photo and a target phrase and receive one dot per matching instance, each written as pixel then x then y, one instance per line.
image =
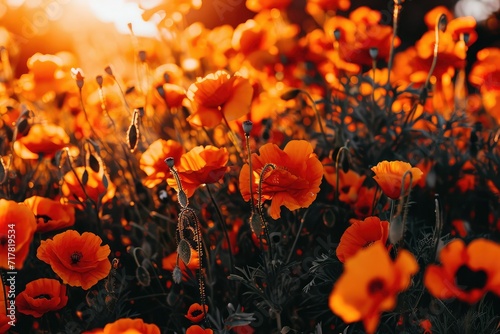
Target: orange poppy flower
pixel 41 296
pixel 17 223
pixel 199 166
pixel 294 182
pixel 152 161
pixel 370 284
pixel 349 183
pixel 44 139
pixel 46 75
pixel 361 234
pixel 195 329
pixel 195 312
pixel 51 215
pixel 95 188
pixel 169 262
pixel 466 272
pixel 79 260
pixel 260 5
pixel 127 326
pixel 485 75
pixel 364 205
pixel 389 176
pixel 217 96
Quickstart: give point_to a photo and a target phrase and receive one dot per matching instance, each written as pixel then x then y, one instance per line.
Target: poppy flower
pixel 201 165
pixel 44 139
pixel 79 260
pixel 295 181
pixel 195 312
pixel 41 296
pixel 363 207
pixel 219 95
pixel 152 161
pixel 260 5
pixel 467 272
pixel 169 262
pixel 127 325
pixel 314 7
pixel 389 176
pixel 370 284
pixel 361 234
pixel 50 215
pixel 98 185
pixel 195 329
pixel 349 182
pixel 17 220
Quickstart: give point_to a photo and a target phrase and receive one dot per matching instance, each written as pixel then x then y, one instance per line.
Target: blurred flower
pixel 361 234
pixel 127 326
pixel 370 284
pixel 18 224
pixel 50 215
pixel 426 325
pixel 485 75
pixel 467 180
pixel 359 33
pixel 43 140
pixel 195 312
pixel 79 260
pixel 201 165
pixel 217 96
pixel 294 182
pixel 366 199
pixel 466 272
pixel 389 176
pixel 260 5
pixel 47 76
pixel 315 7
pixel 195 329
pixel 152 161
pixel 349 183
pixel 95 187
pixel 41 296
pixel 169 262
pixel 4 319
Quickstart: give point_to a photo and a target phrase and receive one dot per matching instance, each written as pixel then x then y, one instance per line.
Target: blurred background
pixel 96 30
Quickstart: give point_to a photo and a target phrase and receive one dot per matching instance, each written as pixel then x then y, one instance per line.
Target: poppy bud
pixel 170 162
pixel 442 23
pixel 142 276
pixel 291 94
pixel 177 275
pixel 247 127
pixel 108 70
pixel 142 56
pixel 337 34
pixel 99 80
pixel 374 53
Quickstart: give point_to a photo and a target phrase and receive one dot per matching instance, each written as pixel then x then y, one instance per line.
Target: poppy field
pixel 319 173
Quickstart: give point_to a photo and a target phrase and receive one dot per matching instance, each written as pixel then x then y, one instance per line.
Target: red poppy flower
pixel 370 284
pixel 196 313
pixel 195 329
pixel 466 272
pixel 153 160
pixel 43 139
pixel 94 188
pixel 51 215
pixel 79 260
pixel 295 181
pixel 17 223
pixel 41 296
pixel 199 166
pixel 127 326
pixel 219 95
pixel 389 176
pixel 361 234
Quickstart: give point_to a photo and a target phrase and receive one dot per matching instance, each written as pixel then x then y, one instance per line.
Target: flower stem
pixel 223 227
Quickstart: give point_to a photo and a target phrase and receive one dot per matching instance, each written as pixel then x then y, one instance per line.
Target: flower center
pixel 44 296
pixel 196 313
pixel 3 240
pixel 376 286
pixel 76 257
pixel 468 279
